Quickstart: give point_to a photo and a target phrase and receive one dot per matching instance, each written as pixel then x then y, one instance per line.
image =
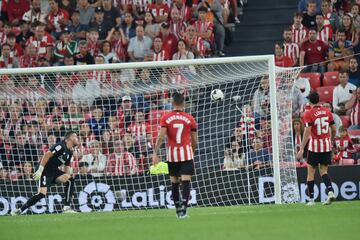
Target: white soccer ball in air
pixel 217 95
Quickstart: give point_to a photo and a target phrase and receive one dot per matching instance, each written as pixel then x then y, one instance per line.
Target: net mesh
pixel 116 113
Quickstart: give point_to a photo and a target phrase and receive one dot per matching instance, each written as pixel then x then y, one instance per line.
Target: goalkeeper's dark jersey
pixel 61 155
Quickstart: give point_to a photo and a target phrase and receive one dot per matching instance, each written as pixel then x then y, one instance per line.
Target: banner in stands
pixel 215 188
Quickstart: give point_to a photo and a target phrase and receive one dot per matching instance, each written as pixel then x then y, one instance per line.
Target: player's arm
pixel 193 140
pixel 159 141
pixel 306 136
pixel 43 162
pixel 333 131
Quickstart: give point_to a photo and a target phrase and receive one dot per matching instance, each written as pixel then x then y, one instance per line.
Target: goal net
pixel 245 153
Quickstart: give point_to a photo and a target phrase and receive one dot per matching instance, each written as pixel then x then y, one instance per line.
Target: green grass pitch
pixel 297 221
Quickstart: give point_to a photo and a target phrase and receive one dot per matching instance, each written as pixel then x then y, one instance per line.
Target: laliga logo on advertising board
pixel 99 196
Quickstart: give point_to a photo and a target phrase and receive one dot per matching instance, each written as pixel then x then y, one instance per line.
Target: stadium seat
pixel 326 93
pixel 345 121
pixel 314 79
pixel 354 133
pixel 331 79
pixel 346 162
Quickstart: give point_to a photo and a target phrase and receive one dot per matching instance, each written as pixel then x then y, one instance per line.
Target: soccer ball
pixel 217 95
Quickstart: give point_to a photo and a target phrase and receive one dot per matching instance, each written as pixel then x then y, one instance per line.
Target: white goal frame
pixel 118 66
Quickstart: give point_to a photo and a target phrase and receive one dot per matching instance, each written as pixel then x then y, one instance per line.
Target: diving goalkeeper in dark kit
pixel 49 173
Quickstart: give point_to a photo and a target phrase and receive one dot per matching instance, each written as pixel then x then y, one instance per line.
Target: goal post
pixel 245 153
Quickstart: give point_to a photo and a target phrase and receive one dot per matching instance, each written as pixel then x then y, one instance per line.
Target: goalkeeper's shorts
pixel 176 169
pixel 48 178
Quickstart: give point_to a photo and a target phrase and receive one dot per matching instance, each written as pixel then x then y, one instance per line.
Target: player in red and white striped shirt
pixel 177 25
pixel 325 33
pixel 181 131
pixel 159 53
pixel 291 49
pixel 298 30
pixel 354 105
pixel 42 41
pixel 318 123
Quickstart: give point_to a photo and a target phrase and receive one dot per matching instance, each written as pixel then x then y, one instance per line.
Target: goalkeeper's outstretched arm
pixel 43 162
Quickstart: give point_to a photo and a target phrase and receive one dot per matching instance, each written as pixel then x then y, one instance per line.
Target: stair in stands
pixel 261 26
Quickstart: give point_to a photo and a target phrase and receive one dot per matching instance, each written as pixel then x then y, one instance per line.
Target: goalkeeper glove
pixel 37 174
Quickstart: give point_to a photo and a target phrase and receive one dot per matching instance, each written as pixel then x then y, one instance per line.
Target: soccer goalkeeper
pixel 49 173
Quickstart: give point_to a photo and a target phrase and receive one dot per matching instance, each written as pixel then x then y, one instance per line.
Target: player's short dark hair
pixel 313 29
pixel 178 98
pixel 314 97
pixel 68 134
pixel 203 9
pixel 298 14
pixel 341 30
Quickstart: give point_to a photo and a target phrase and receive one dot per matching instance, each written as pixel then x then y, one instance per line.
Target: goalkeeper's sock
pixel 185 192
pixel 69 190
pixel 327 181
pixel 175 194
pixel 310 185
pixel 34 199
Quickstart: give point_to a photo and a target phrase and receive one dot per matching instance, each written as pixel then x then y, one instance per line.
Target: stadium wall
pixel 99 194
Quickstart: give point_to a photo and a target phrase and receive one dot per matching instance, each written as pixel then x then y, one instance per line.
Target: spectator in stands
pixel 111 14
pixel 354 106
pixel 298 131
pixel 119 43
pixel 16 10
pixel 43 41
pixel 342 93
pixel 125 113
pixel 355 15
pixel 35 14
pixel 22 151
pixel 121 162
pixel 4 174
pixel 15 48
pixel 131 147
pixel 65 46
pixel 169 40
pixel 337 119
pixel 152 29
pixel 313 52
pixel 235 152
pixel 100 24
pixel 291 49
pixel 51 140
pixel 93 44
pixel 98 123
pixel 84 172
pixel 129 26
pixel 57 18
pixel 347 26
pixel 139 8
pixel 177 25
pixel 106 51
pixel 331 18
pixel 107 142
pixel 183 52
pixel 159 54
pixel 77 30
pixel 6 60
pixel 258 155
pixel 303 5
pixel 160 10
pixel 27 172
pixel 3 154
pixel 309 17
pixel 298 30
pixel 340 49
pixel 84 56
pixel 325 32
pixel 34 134
pixel 215 16
pixel 354 72
pixel 95 159
pixel 194 42
pixel 73 118
pixel 343 145
pixel 138 45
pixel 297 102
pixel 24 34
pixel 280 59
pixel 86 11
pixel 261 99
pixel 14 123
pixel 58 128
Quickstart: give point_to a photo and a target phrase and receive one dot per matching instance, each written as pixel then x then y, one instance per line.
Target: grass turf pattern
pixel 340 220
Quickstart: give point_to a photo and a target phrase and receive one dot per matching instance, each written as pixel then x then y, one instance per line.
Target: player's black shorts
pixel 48 178
pixel 176 169
pixel 314 158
